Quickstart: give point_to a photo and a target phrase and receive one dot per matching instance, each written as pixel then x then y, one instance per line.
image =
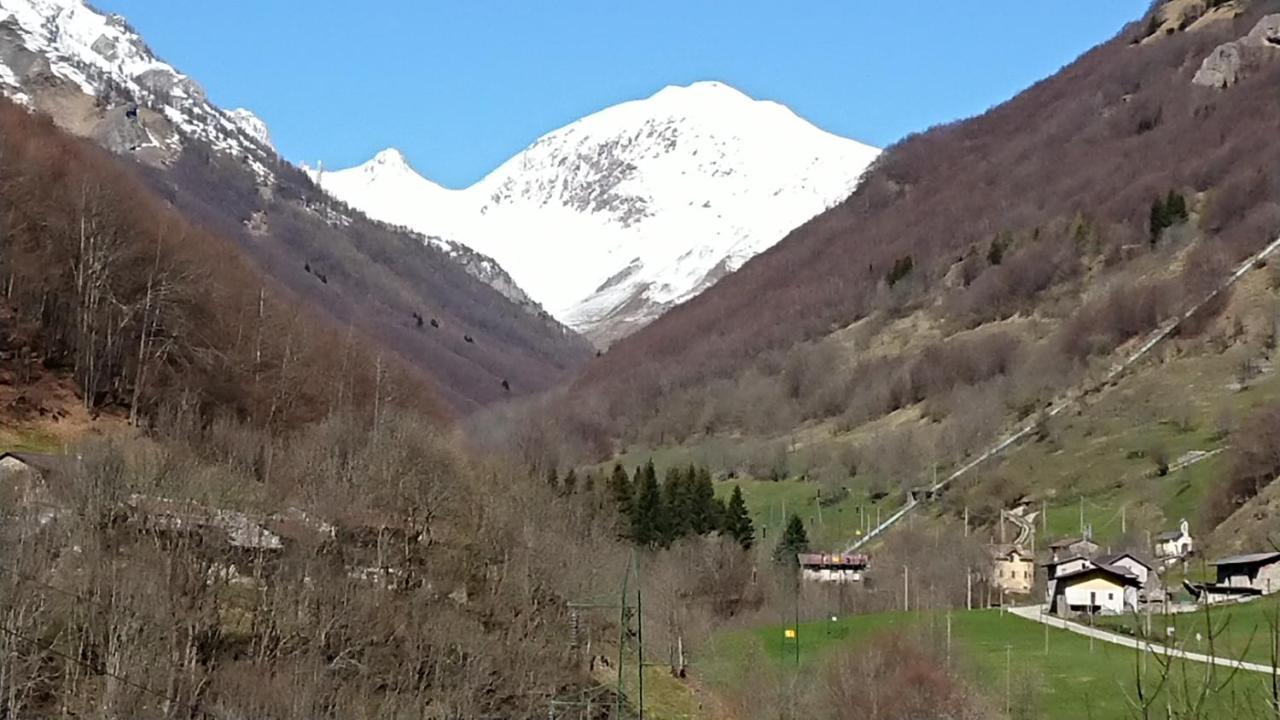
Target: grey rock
pixel 120 133
pixel 1222 68
pixel 1228 62
pixel 106 47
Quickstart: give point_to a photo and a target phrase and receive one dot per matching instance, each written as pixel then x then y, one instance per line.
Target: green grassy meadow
pixel 1061 675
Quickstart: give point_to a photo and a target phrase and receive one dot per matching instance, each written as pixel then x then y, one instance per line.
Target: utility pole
pixel 906 588
pixel 1081 516
pixel 639 639
pixel 796 605
pixel 968 588
pixel 1124 526
pixel 966 521
pixel 1008 679
pixel 948 638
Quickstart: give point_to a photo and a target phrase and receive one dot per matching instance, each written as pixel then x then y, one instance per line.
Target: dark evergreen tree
pixel 570 482
pixel 995 253
pixel 1175 208
pixel 737 522
pixel 793 542
pixel 647 515
pixel 702 502
pixel 675 497
pixel 624 499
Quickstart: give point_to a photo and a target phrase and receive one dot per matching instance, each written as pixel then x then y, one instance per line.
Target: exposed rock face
pixel 1228 62
pixel 1222 68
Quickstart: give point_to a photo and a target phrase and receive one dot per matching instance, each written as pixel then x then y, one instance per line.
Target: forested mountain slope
pixel 978 221
pixel 148 311
pixel 436 308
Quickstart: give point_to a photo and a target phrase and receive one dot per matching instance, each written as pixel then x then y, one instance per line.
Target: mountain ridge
pixel 95 77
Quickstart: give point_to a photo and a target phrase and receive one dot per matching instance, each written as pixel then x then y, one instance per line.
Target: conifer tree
pixel 570 482
pixel 795 540
pixel 646 517
pixel 1175 208
pixel 737 523
pixel 702 502
pixel 623 497
pixel 676 503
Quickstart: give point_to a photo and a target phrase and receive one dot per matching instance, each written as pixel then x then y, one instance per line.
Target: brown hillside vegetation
pixel 140 306
pixel 1042 207
pixel 376 278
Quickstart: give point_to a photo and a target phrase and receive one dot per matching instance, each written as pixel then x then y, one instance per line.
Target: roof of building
pixel 1008 550
pixel 42 462
pixel 1113 559
pixel 1261 558
pixel 1064 561
pixel 1068 542
pixel 1125 577
pixel 832 560
pixel 1199 588
pixel 1169 535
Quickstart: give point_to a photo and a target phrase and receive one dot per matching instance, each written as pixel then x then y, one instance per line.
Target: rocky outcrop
pixel 1228 62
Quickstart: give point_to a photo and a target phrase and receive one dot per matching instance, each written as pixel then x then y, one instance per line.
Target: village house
pixel 1241 577
pixel 1072 547
pixel 1012 569
pixel 833 568
pixel 1094 590
pixel 1129 562
pixel 1174 545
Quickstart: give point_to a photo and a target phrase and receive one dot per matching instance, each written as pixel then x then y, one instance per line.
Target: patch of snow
pixel 252 125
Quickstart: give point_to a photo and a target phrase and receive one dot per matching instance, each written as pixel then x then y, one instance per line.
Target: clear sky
pixel 461 86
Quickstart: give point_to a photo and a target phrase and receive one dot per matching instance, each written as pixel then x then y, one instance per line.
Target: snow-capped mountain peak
pixel 613 218
pixel 44 43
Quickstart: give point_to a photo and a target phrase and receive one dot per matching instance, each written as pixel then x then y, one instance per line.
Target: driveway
pixel 1036 613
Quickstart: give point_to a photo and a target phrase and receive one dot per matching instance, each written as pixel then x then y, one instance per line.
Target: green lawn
pixel 829 527
pixel 1073 679
pixel 1230 631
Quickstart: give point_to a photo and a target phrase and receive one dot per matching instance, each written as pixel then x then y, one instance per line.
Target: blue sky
pixel 462 86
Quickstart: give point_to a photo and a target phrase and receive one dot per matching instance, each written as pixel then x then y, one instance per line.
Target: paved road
pixel 1035 613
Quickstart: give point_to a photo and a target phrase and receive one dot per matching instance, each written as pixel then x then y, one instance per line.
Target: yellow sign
pixel 790 633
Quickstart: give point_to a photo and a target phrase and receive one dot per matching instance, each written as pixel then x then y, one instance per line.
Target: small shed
pixel 1242 576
